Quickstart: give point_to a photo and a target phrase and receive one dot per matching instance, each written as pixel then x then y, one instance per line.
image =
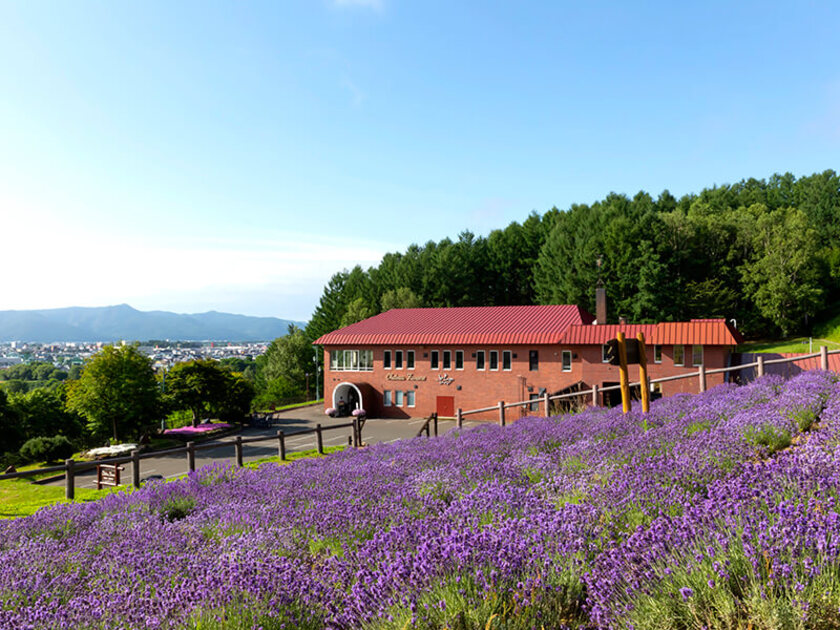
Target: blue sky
pixel 205 155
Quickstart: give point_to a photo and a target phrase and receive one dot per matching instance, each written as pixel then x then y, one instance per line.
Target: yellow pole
pixel 643 376
pixel 622 369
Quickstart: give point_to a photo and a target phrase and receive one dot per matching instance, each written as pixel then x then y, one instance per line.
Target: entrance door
pixel 445 406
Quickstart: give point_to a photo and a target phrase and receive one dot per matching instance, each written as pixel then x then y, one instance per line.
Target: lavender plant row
pixel 715 510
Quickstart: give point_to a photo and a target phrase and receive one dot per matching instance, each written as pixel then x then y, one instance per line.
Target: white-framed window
pixel 351 360
pixel 567 360
pixel 434 360
pixel 409 398
pixel 386 398
pixel 409 359
pixel 386 359
pixel 447 359
pixel 459 359
pixel 507 360
pixel 494 359
pixel 605 353
pixel 479 360
pixel 679 355
pixel 657 353
pixel 697 354
pixel 398 398
pixel 398 356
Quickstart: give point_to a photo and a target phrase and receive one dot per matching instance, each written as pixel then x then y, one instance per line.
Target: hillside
pixel 113 323
pixel 716 510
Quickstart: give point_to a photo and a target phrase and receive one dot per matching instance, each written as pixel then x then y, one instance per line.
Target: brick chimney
pixel 601 305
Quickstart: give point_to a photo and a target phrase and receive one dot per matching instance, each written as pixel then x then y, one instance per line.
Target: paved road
pixel 374 431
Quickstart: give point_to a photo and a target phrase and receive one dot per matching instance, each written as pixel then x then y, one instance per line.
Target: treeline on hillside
pixel 764 252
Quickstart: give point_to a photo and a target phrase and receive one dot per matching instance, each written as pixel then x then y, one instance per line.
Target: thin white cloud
pixel 357 95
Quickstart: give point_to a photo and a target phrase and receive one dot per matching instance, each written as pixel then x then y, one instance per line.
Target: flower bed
pixel 716 510
pixel 202 429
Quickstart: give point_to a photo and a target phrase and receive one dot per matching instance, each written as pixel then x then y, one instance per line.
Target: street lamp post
pixel 317 368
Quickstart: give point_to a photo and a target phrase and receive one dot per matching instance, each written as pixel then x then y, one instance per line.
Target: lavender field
pixel 720 510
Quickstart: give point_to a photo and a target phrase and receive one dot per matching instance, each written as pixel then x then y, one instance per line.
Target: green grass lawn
pixel 320 401
pixel 19 497
pixel 795 344
pixel 825 334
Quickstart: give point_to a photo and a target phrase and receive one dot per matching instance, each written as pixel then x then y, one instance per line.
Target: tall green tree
pixel 402 297
pixel 198 386
pixel 783 278
pixel 284 366
pixel 42 412
pixel 117 393
pixel 356 311
pixel 11 436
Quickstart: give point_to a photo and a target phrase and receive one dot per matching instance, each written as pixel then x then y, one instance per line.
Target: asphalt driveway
pixel 290 421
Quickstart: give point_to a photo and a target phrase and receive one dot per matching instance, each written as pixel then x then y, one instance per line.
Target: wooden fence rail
pixel 700 374
pixel 71 468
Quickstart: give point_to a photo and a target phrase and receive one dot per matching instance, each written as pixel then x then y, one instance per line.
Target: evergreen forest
pixel 763 252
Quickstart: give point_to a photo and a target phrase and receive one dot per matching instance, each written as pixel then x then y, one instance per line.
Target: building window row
pixel 398 398
pixel 351 361
pixel 398 360
pixel 679 354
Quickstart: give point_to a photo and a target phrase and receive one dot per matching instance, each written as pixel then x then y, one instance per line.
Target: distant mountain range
pixel 114 323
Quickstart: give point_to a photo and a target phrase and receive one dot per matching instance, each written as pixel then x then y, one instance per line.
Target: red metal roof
pixel 461 325
pixel 706 332
pixel 589 335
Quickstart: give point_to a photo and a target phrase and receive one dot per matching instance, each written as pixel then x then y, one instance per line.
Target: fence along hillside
pixel 787 364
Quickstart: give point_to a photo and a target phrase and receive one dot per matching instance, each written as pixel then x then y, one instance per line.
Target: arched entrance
pixel 346 398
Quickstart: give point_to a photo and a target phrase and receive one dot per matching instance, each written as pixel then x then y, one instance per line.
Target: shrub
pixel 44 449
pixel 177 507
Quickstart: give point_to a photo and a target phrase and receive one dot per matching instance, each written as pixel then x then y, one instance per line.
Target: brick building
pixel 412 362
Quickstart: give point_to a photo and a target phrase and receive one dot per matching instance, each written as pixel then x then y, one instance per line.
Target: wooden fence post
pixel 459 418
pixel 760 368
pixel 135 468
pixel 594 395
pixel 501 413
pixel 823 358
pixel 320 439
pixel 238 446
pixel 69 479
pixel 547 403
pixel 701 374
pixel 643 373
pixel 355 431
pixel 436 424
pixel 281 445
pixel 191 456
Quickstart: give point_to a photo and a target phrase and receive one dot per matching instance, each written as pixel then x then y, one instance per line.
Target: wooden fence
pixel 700 375
pixel 70 468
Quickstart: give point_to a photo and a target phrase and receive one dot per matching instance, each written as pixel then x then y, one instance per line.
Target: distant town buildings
pixel 164 354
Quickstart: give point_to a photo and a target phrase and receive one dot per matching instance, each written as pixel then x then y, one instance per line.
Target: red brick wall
pixel 486 388
pixel 599 373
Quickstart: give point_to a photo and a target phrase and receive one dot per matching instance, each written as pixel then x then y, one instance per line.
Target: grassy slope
pixel 826 334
